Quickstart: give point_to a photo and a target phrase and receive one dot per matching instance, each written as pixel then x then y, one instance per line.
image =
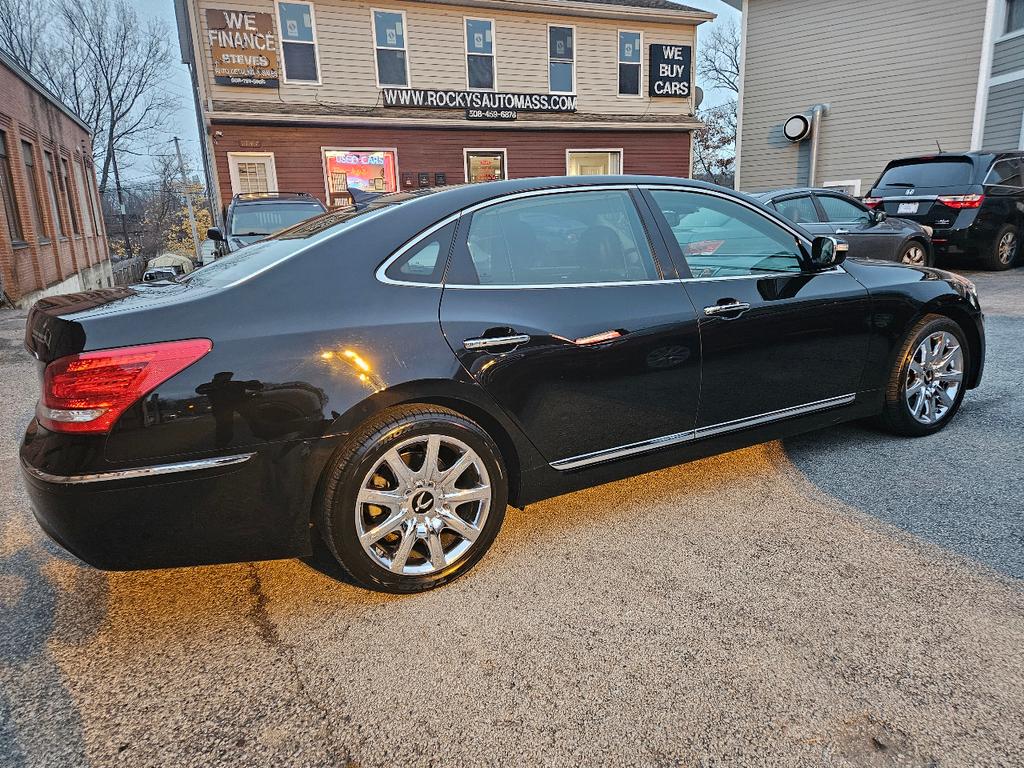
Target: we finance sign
pixel 243 47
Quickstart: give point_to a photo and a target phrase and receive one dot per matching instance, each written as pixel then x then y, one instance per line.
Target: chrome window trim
pixel 137 472
pixel 908 198
pixel 382 277
pixel 758 276
pixel 699 433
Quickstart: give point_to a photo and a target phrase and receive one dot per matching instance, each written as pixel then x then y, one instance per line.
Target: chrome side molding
pixel 137 472
pixel 622 451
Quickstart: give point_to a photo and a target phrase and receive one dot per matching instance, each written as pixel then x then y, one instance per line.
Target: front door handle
pixel 842 231
pixel 721 309
pixel 486 342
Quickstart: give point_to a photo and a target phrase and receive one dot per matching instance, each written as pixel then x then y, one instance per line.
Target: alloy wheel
pixel 1006 250
pixel 915 255
pixel 423 505
pixel 934 377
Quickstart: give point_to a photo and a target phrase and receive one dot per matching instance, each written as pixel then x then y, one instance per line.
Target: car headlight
pixel 970 290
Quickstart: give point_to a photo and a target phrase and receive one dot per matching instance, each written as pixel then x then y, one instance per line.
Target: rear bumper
pixel 217 510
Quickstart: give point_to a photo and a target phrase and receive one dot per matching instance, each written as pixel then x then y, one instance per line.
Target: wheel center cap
pixel 422 502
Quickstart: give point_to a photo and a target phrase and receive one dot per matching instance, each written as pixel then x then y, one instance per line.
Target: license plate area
pixel 907 208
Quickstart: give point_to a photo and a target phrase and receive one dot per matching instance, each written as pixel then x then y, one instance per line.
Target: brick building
pixel 330 96
pixel 52 237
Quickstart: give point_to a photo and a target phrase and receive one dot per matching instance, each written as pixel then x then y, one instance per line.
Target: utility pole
pixel 120 205
pixel 188 200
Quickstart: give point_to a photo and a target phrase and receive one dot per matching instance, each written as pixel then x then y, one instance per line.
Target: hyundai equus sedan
pixel 390 379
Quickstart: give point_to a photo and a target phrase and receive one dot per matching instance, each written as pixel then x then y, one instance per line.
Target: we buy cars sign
pixel 670 70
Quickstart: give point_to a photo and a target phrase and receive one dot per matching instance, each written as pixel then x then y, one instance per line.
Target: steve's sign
pixel 670 67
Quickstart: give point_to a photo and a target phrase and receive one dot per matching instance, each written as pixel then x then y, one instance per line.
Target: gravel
pixel 844 599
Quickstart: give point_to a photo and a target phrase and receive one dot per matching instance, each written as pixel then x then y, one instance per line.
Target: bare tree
pixel 23 29
pixel 720 57
pixel 101 60
pixel 714 156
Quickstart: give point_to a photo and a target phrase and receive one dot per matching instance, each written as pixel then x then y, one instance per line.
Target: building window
pixel 51 185
pixel 69 199
pixel 28 158
pixel 480 54
pixel 561 60
pixel 7 192
pixel 630 63
pixel 83 196
pixel 389 38
pixel 362 170
pixel 485 165
pixel 1014 16
pixel 593 162
pixel 252 172
pixel 298 42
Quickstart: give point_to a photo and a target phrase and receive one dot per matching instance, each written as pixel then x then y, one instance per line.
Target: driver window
pixel 722 238
pixel 843 211
pixel 557 239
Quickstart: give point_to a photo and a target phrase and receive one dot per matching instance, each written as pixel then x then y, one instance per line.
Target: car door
pixel 776 339
pixel 853 223
pixel 560 304
pixel 800 209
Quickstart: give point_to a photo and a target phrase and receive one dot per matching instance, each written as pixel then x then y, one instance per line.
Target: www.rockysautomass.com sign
pixel 478 100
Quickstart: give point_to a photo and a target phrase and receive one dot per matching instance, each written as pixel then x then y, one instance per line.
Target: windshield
pixel 262 219
pixel 928 173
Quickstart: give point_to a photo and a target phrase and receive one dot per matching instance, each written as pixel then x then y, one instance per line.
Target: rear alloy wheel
pixel 1005 248
pixel 928 380
pixel 914 254
pixel 415 501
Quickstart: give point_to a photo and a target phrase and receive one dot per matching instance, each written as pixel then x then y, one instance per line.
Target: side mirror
pixel 214 233
pixel 827 252
pixel 877 215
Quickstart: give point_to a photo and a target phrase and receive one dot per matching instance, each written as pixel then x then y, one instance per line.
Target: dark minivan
pixel 974 202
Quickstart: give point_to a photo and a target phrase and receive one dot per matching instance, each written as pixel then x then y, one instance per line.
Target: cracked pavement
pixel 843 599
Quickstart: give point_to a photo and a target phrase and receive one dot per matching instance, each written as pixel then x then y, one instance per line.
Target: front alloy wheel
pixel 934 377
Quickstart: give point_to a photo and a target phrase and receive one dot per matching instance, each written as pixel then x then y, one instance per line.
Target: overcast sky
pixel 183 121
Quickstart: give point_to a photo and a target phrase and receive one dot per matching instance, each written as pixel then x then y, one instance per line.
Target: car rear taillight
pixel 871 202
pixel 88 392
pixel 961 201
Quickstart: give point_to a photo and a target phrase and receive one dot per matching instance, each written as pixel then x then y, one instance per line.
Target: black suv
pixel 974 201
pixel 253 216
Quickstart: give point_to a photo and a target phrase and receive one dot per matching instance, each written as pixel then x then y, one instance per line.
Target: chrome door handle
pixel 842 231
pixel 495 341
pixel 718 309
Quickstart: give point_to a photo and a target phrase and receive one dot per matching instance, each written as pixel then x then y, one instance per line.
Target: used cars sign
pixel 670 70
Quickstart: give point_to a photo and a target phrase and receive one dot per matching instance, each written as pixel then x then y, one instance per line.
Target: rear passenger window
pixel 723 238
pixel 425 261
pixel 799 210
pixel 1005 173
pixel 557 239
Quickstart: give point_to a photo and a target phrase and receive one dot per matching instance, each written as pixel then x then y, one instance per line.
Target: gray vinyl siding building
pixel 898 79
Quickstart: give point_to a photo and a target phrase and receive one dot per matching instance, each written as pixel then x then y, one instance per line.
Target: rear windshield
pixel 257 257
pixel 928 173
pixel 262 219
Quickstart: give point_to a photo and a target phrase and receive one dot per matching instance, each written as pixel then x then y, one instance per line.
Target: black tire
pixel 337 507
pixel 1005 249
pixel 896 416
pixel 915 253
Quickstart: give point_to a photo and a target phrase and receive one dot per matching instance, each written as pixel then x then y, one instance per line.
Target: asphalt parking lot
pixel 842 599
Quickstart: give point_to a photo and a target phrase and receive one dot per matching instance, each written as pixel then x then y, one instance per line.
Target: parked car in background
pixel 871 234
pixel 167 266
pixel 973 201
pixel 254 216
pixel 390 378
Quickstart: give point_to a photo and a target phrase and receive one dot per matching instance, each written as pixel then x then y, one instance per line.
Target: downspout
pixel 817 112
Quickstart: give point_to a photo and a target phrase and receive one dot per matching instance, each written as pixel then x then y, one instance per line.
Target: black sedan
pixel 870 233
pixel 390 379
